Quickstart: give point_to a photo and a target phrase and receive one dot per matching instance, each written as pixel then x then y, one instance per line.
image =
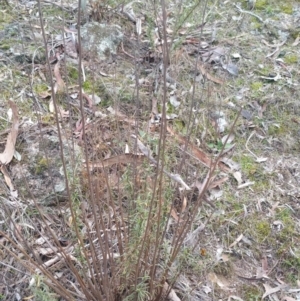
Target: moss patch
pixel 251 292
pixel 286 8
pixel 261 4
pixel 291 59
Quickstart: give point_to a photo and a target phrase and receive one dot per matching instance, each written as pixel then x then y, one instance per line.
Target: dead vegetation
pixel 150 150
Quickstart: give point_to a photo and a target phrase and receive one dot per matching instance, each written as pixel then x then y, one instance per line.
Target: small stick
pixel 249 12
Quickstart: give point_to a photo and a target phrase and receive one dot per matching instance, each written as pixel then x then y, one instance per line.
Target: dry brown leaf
pixel 123 159
pixel 60 85
pixel 8 181
pixel 273 209
pixel 236 241
pixel 174 215
pixel 204 184
pixel 217 182
pixel 264 265
pixel 209 76
pixel 63 113
pixel 122 116
pixel 296 42
pixel 271 290
pixel 154 106
pixel 287 298
pixel 245 185
pixel 44 94
pixel 200 155
pixel 88 99
pixel 9 150
pixel 238 176
pixel 18 232
pixel 171 293
pixel 184 203
pixel 219 280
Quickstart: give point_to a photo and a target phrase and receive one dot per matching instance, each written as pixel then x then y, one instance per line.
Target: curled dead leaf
pixel 9 150
pixel 209 76
pixel 60 85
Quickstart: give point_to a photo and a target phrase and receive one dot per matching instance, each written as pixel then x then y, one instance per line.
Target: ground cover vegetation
pixel 149 150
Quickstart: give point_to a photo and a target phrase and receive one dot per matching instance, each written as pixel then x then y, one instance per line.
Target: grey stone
pixel 100 39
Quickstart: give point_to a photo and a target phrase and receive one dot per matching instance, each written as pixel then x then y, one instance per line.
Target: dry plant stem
pixel 53 282
pixel 190 121
pixel 119 226
pixel 72 153
pixel 55 105
pixel 63 162
pixel 108 260
pixel 185 228
pixel 13 268
pixel 159 173
pixel 162 143
pixel 180 239
pixel 135 150
pixel 104 249
pixel 183 21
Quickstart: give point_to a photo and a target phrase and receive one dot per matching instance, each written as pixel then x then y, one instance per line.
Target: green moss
pixel 263 230
pixel 274 130
pixel 233 203
pixel 262 182
pixel 292 265
pixel 5 17
pixel 223 268
pixel 285 216
pixel 251 292
pixel 286 8
pixel 255 24
pixel 261 4
pixel 4 46
pixel 41 166
pixel 125 97
pixel 87 86
pixel 48 119
pixel 179 125
pixel 266 70
pixel 256 86
pixel 294 32
pixel 72 73
pixel 291 59
pixel 248 166
pixel 41 291
pixel 39 88
pixel 53 10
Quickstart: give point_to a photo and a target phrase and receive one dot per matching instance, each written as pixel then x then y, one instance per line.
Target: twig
pixel 123 50
pixel 249 13
pixel 13 268
pixel 258 159
pixel 246 145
